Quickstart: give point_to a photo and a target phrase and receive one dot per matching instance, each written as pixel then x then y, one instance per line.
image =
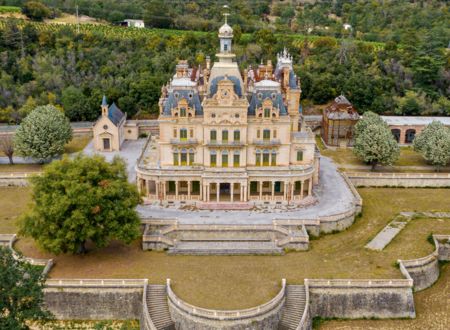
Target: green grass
pixel 77 144
pixel 229 282
pixel 9 9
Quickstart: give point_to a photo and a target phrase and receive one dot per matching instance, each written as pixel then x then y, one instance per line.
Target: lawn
pixel 229 282
pixel 13 201
pixel 77 144
pixel 23 168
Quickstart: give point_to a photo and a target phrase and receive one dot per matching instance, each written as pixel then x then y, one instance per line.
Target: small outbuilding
pixel 339 120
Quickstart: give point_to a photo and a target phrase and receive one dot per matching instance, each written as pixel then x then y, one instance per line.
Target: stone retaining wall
pixel 425 271
pixel 14 179
pixel 364 179
pixel 111 300
pixel 361 298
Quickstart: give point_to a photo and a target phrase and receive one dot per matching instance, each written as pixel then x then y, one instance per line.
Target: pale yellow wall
pixel 99 132
pixel 131 132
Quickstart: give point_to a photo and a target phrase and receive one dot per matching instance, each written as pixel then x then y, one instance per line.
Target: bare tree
pixel 7 147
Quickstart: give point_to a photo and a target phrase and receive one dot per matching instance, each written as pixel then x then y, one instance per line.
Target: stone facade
pixel 362 179
pixel 230 138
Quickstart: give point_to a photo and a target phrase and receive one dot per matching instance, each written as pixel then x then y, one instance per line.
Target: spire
pixel 104 106
pixel 104 103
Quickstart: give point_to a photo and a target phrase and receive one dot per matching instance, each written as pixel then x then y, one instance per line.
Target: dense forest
pixel 407 72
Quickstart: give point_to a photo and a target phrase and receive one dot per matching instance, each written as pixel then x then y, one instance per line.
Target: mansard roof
pixel 115 114
pixel 258 98
pixel 177 94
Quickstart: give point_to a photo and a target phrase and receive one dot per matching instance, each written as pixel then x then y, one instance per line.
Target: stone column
pixel 285 190
pixel 232 191
pixel 260 190
pixel 246 197
pixel 301 189
pixel 176 189
pixel 241 192
pixel 273 190
pixel 309 187
pixel 402 139
pixel 189 189
pixel 147 187
pixel 208 192
pixel 164 189
pixel 201 190
pixel 217 192
pixel 292 190
pixel 157 189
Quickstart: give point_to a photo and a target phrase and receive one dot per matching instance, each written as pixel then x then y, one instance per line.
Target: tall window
pixel 266 157
pixel 183 112
pixel 175 159
pixel 225 136
pixel 266 134
pixel 174 132
pixel 183 134
pixel 258 158
pixel 266 113
pixel 213 159
pixel 191 133
pixel 224 158
pixel 237 136
pixel 275 134
pixel 191 157
pixel 236 159
pixel 213 135
pixel 258 134
pixel 273 161
pixel 299 155
pixel 183 157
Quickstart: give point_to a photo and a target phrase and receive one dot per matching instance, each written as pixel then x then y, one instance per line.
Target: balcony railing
pixel 267 142
pixel 184 141
pixel 224 143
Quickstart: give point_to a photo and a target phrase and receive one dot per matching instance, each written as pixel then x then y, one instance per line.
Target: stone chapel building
pixel 230 138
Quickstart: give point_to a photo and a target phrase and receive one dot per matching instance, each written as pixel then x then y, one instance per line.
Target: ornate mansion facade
pixel 227 137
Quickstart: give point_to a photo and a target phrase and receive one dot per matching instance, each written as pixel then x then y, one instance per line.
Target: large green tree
pixel 434 144
pixel 21 296
pixel 43 133
pixel 79 200
pixel 36 10
pixel 374 142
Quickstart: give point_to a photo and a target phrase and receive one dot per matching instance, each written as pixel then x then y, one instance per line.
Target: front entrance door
pixel 225 192
pixel 106 144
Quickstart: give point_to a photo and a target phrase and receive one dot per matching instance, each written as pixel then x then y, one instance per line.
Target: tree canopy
pixel 21 296
pixel 374 142
pixel 79 200
pixel 433 143
pixel 43 133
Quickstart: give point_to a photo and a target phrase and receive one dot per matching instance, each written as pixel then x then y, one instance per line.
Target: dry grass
pixel 24 168
pixel 432 309
pixel 77 144
pixel 229 282
pixel 13 201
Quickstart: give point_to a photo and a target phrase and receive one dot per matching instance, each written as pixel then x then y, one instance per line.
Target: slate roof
pixel 115 114
pixel 192 98
pixel 259 96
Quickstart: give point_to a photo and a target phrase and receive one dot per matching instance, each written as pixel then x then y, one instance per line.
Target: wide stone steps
pixel 293 307
pixel 226 248
pixel 158 307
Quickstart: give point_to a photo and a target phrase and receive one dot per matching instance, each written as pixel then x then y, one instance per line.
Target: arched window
pixel 236 159
pixel 396 133
pixel 410 135
pixel 225 136
pixel 299 155
pixel 266 112
pixel 224 158
pixel 273 161
pixel 183 157
pixel 175 158
pixel 213 158
pixel 266 134
pixel 191 157
pixel 266 157
pixel 258 158
pixel 183 112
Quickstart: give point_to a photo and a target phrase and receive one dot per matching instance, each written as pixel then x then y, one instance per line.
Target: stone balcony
pixel 224 143
pixel 184 142
pixel 267 142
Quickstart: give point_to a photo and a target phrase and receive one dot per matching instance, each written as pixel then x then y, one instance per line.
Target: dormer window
pixel 183 112
pixel 260 96
pixel 176 95
pixel 190 95
pixel 266 112
pixel 274 96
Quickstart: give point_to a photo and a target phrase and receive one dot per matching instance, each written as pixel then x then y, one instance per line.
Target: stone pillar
pixel 309 187
pixel 241 192
pixel 273 190
pixel 285 191
pixel 147 187
pixel 232 191
pixel 201 190
pixel 260 190
pixel 217 192
pixel 208 192
pixel 176 189
pixel 246 197
pixel 157 189
pixel 402 139
pixel 292 190
pixel 301 189
pixel 164 189
pixel 189 189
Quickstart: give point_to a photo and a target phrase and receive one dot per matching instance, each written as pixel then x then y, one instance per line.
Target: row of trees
pixel 375 144
pixel 42 64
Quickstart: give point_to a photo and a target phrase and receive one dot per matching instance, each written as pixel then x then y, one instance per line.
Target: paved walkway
pixel 333 194
pixel 130 152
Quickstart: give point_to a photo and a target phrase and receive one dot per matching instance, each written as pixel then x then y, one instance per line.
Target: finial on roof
pixel 226 14
pixel 104 102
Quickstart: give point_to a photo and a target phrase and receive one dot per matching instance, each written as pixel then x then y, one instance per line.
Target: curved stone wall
pixel 425 271
pixel 186 316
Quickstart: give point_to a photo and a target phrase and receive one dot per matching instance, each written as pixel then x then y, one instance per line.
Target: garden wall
pixel 94 299
pixel 14 179
pixel 364 179
pixel 361 298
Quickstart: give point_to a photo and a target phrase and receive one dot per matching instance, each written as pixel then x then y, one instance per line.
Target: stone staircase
pixel 226 247
pixel 293 307
pixel 224 206
pixel 158 307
